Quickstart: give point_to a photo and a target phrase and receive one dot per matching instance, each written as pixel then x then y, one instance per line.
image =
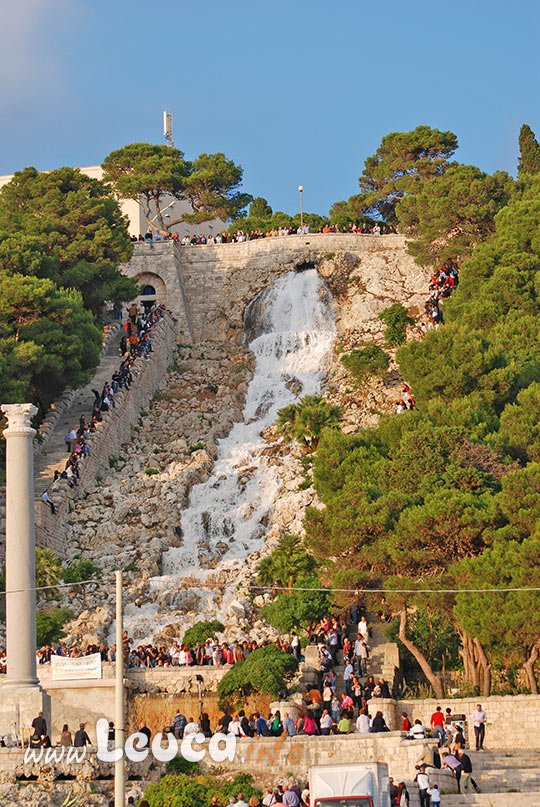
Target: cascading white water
pixel 291 331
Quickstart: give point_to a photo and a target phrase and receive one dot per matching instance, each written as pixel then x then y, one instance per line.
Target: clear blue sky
pixel 297 92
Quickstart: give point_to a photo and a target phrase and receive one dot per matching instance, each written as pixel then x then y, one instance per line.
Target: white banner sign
pixel 65 668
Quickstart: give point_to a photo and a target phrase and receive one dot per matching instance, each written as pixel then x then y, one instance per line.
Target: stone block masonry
pixel 208 287
pixel 114 431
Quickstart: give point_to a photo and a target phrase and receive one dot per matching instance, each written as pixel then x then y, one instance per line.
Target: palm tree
pixel 48 571
pixel 306 420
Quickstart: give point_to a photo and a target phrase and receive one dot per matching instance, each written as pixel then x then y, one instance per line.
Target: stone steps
pixel 54 454
pixel 508 799
pixel 505 779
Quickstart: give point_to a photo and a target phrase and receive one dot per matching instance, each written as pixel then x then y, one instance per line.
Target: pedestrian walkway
pixel 54 455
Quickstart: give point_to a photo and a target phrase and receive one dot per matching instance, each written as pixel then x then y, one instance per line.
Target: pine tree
pixel 529 151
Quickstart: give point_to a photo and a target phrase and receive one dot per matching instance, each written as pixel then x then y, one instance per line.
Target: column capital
pixel 19 418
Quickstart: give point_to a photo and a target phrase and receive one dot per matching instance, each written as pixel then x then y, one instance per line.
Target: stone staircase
pixel 377 665
pixel 54 455
pixel 505 778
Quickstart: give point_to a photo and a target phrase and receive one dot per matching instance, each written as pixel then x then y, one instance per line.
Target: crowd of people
pixel 442 284
pixel 240 236
pixel 137 341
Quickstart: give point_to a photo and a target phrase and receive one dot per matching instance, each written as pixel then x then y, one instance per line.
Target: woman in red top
pixel 406 724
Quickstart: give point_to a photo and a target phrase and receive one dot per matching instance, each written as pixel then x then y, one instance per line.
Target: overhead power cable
pixel 201 584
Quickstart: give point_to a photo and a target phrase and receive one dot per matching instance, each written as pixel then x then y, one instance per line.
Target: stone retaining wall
pixel 114 431
pixel 512 719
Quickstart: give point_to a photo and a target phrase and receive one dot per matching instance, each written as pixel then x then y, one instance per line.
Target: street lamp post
pixel 301 189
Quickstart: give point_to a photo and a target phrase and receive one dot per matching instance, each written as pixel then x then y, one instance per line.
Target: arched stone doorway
pixel 152 290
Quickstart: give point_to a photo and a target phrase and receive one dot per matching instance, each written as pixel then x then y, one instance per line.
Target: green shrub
pixel 49 625
pixel 188 791
pixel 201 631
pixel 366 361
pixel 81 571
pixel 266 671
pixel 151 471
pixel 197 447
pixel 396 320
pixel 180 765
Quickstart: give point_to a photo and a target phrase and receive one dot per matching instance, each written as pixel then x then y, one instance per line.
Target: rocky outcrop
pixel 132 516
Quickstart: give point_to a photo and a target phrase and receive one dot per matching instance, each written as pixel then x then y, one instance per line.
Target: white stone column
pixel 20 547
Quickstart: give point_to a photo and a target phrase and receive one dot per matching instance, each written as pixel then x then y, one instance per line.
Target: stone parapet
pixel 166 679
pixel 207 287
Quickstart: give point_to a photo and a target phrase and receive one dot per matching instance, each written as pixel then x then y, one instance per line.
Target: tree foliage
pixel 452 213
pixel 297 609
pixel 48 571
pixel 507 623
pixel 266 671
pixel 49 625
pixel 211 188
pixel 201 631
pixel 153 175
pixel 66 227
pixel 368 360
pixel 396 319
pixel 48 340
pixel 432 630
pixel 399 166
pixel 260 209
pixel 288 562
pixel 529 152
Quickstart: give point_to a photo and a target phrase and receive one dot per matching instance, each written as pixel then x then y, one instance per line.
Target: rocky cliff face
pixel 134 514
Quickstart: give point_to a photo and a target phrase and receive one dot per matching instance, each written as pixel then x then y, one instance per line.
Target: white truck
pixel 349 785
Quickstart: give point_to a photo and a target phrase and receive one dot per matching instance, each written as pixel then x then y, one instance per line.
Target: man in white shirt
pixel 348 671
pixel 269 799
pixel 191 727
pixel 174 653
pixel 241 802
pixel 47 499
pixel 422 780
pixel 361 653
pixel 418 731
pixel 479 719
pixel 363 628
pixel 363 723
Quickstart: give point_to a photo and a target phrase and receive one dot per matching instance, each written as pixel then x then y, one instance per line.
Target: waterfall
pixel 290 329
